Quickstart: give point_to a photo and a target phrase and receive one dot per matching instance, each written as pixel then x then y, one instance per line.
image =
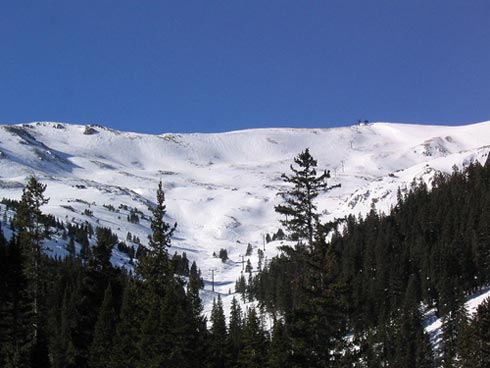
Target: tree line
pixel 351 293
pixel 378 275
pixel 80 311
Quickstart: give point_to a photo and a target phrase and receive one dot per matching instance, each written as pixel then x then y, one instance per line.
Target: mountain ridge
pixel 221 187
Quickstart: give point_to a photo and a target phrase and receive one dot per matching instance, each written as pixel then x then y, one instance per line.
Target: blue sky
pixel 208 66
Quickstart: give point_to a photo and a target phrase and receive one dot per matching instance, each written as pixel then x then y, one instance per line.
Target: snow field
pixel 221 188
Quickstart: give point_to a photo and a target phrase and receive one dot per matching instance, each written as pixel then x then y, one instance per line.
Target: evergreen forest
pixel 351 293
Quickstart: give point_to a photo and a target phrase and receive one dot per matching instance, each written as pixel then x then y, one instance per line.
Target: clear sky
pixel 208 66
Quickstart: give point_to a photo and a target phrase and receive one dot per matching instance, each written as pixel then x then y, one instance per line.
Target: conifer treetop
pixel 299 209
pixel 154 265
pixel 162 231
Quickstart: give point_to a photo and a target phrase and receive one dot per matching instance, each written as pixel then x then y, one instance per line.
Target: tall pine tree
pixel 101 346
pixel 299 209
pixel 154 265
pixel 218 336
pixel 31 231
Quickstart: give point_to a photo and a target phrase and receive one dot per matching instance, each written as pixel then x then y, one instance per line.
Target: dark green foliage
pixel 260 254
pixel 433 248
pixel 31 230
pixel 368 282
pixel 102 251
pixel 279 235
pixel 253 353
pixel 248 267
pixel 101 346
pixel 110 207
pixel 133 216
pixel 154 265
pixel 249 250
pixel 125 353
pixel 10 203
pixel 317 322
pixel 70 247
pixel 181 331
pixel 194 285
pixel 88 212
pixel 171 326
pixel 241 286
pixel 412 346
pixel 280 347
pixel 128 249
pixel 218 336
pixel 83 300
pixel 481 325
pixel 180 264
pixel 152 345
pixel 453 323
pixel 16 334
pixel 422 237
pixel 223 254
pixel 90 314
pixel 299 208
pixel 235 331
pixel 474 344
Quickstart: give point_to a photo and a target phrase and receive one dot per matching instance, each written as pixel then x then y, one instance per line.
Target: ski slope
pixel 221 188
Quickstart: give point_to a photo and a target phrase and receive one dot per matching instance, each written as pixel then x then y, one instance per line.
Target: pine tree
pixel 194 302
pixel 316 321
pixel 28 221
pixel 299 208
pixel 70 247
pixel 171 322
pixel 100 258
pixel 241 286
pixel 412 345
pixel 101 346
pixel 152 345
pixel 468 346
pixel 15 308
pixel 218 336
pixel 74 327
pixel 235 330
pixel 125 353
pixel 31 231
pixel 84 246
pixel 88 296
pixel 254 351
pixel 178 329
pixel 453 323
pixel 279 352
pixel 482 334
pixel 154 265
pixel 63 352
pixel 193 287
pixel 249 267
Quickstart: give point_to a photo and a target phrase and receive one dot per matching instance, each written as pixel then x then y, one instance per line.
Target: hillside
pixel 221 188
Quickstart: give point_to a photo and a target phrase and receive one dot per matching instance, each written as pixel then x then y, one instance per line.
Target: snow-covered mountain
pixel 221 188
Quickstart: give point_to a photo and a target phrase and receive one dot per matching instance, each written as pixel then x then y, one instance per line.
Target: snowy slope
pixel 221 188
pixel 433 325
